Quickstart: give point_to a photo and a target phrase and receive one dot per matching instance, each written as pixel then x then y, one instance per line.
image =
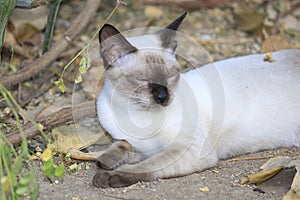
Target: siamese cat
pixel 168 124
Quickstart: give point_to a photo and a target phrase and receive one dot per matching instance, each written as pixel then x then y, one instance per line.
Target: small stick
pixel 248 158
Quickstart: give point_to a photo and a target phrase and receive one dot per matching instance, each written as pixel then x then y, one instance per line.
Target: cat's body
pixel 191 124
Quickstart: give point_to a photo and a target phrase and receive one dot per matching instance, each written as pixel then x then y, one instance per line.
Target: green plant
pixel 85 61
pixel 18 178
pixel 49 169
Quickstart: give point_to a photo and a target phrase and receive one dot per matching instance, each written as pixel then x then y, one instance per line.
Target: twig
pixel 248 158
pixel 53 120
pixel 60 46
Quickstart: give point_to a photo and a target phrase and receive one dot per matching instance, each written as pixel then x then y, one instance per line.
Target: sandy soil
pixel 223 182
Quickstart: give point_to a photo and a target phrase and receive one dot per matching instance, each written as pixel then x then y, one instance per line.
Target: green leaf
pixel 84 64
pixel 59 171
pixel 48 168
pixel 68 155
pixel 35 193
pixel 49 172
pixel 62 88
pixel 60 84
pixel 13 178
pixel 25 180
pixel 21 190
pixel 74 166
pixel 48 164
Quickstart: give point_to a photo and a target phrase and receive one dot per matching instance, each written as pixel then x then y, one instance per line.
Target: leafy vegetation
pixel 18 177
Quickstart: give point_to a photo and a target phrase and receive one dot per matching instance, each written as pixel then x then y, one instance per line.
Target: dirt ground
pixel 217 29
pixel 223 182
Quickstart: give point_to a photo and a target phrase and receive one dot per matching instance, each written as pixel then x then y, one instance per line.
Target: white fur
pixel 262 110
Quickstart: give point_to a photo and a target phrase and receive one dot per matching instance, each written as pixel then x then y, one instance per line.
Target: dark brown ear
pixel 167 35
pixel 113 45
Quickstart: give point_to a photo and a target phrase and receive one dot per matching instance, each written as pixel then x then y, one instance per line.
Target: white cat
pixel 167 124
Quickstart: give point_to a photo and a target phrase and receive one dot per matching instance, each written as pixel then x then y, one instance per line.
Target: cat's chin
pixel 148 107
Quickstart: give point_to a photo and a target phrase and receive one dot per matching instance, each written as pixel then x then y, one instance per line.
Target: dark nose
pixel 160 93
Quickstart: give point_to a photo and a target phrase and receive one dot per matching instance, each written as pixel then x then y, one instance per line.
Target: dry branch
pixel 53 120
pixel 59 47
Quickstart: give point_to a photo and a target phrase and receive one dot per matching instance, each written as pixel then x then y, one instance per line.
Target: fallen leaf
pixel 269 57
pixel 71 137
pixel 204 189
pixel 37 17
pixel 274 43
pixel 275 162
pixel 47 154
pixel 262 176
pixel 153 12
pixel 26 31
pixel 247 19
pixel 215 171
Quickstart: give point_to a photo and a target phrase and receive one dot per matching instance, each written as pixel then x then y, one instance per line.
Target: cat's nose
pixel 161 97
pixel 160 93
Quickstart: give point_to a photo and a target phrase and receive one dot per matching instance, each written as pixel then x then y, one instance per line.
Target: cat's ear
pixel 113 45
pixel 167 35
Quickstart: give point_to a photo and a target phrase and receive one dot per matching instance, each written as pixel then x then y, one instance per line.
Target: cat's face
pixel 146 76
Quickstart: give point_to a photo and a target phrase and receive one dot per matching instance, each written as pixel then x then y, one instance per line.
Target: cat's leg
pixel 118 153
pixel 162 165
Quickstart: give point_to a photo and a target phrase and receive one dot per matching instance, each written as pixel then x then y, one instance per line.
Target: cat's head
pixel 143 68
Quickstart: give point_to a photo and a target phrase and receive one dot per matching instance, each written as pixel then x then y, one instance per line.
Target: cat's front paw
pixel 105 179
pixel 116 155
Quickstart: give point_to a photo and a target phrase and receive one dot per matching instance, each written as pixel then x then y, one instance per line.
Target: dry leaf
pixel 204 189
pixel 26 31
pixel 274 43
pixel 69 137
pixel 262 176
pixel 36 17
pixel 269 57
pixel 275 162
pixel 247 19
pixel 153 12
pixel 47 154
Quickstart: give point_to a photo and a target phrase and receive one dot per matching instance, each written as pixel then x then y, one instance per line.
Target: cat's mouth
pixel 149 104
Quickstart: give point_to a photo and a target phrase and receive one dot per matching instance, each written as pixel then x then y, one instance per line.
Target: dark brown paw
pixel 116 155
pixel 110 161
pixel 105 179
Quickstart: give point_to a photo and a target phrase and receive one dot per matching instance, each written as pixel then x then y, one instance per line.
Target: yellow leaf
pixel 269 57
pixel 47 154
pixel 62 88
pixel 78 79
pixel 204 189
pixel 5 183
pixel 262 176
pixel 153 12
